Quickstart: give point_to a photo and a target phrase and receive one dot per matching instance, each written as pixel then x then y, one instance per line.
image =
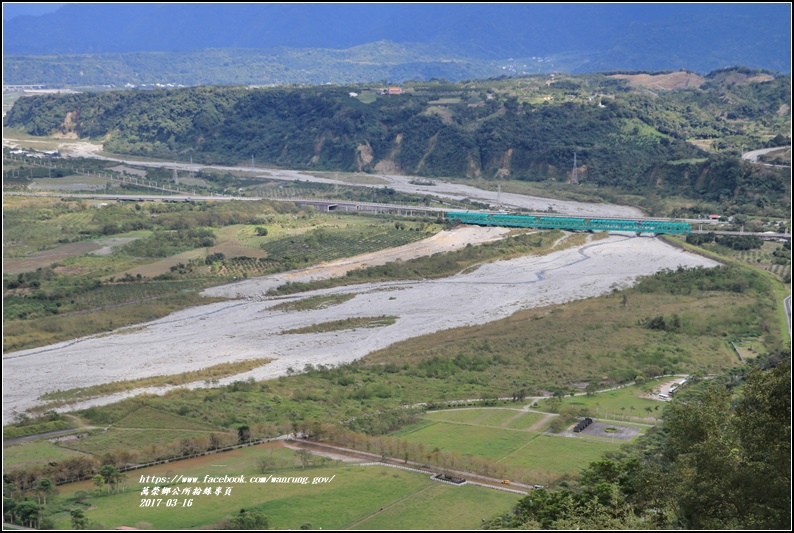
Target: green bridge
pixel 569 223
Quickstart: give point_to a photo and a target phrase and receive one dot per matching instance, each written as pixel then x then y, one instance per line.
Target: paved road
pixel 753 156
pixel 48 435
pixel 407 184
pixel 787 304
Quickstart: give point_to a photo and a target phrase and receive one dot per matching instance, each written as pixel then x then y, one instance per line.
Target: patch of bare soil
pixel 17 265
pixel 316 451
pixel 663 82
pixel 80 149
pixel 663 388
pixel 610 430
pixel 760 78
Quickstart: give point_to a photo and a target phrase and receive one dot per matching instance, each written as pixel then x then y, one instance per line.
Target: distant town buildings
pixel 391 91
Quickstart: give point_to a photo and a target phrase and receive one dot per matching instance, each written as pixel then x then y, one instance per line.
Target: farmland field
pixel 377 497
pixel 470 440
pixel 492 433
pixel 561 455
pixel 100 443
pixel 439 507
pixel 331 243
pixel 26 454
pixel 142 260
pixel 504 418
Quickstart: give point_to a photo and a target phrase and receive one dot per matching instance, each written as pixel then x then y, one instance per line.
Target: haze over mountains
pixel 478 39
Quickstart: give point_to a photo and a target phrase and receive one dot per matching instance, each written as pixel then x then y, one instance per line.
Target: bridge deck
pixel 571 223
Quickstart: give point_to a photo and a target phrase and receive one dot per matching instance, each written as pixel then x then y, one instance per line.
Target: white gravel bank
pixel 242 329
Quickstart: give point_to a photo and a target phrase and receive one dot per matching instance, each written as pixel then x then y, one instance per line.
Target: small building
pixel 394 90
pixel 714 217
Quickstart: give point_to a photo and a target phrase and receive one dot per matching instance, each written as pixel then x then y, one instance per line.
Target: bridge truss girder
pixel 571 223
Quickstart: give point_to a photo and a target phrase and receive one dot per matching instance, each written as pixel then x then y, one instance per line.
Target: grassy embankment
pixel 760 261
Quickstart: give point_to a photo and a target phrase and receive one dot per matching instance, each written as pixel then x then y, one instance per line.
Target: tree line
pixel 629 141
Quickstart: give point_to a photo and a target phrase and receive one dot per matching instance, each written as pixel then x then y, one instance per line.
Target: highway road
pixel 755 154
pixel 410 185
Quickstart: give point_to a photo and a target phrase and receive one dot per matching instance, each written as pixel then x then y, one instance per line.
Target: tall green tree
pixel 763 427
pixel 79 521
pixel 45 487
pixel 249 520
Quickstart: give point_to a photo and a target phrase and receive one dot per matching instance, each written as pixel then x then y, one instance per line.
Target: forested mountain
pixel 131 43
pixel 624 135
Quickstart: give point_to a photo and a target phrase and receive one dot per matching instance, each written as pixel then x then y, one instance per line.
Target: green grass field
pixel 365 497
pixel 500 418
pixel 75 182
pixel 146 417
pixel 34 453
pixel 440 507
pixel 470 440
pixel 502 435
pixel 103 442
pixel 617 404
pixel 559 455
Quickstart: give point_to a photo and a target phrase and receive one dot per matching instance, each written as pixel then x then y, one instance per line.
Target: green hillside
pixel 626 134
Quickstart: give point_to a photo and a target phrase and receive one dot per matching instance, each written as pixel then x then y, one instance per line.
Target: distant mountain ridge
pixel 579 37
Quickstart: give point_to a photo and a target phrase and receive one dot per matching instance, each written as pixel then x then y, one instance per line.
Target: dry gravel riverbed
pixel 439 188
pixel 246 327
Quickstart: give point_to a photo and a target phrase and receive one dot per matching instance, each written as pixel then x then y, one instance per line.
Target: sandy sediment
pixel 248 328
pixel 444 241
